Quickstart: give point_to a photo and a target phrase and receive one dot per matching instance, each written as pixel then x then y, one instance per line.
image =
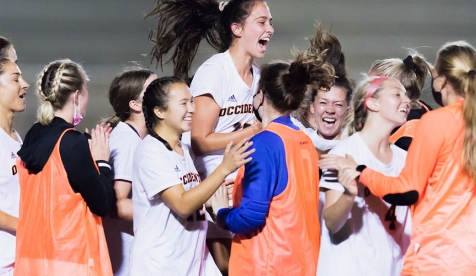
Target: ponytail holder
pixel 373 87
pixel 472 73
pixel 222 5
pixel 408 61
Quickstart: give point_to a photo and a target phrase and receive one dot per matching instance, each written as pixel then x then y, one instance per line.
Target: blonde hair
pixel 457 62
pixel 370 87
pixel 55 84
pixel 411 72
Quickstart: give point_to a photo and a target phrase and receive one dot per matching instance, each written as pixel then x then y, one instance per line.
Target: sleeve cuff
pixel 103 163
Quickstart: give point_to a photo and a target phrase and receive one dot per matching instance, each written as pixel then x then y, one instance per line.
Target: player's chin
pixel 186 126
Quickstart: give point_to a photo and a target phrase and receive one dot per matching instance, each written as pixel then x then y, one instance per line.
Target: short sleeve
pixel 209 79
pixel 157 172
pixel 121 158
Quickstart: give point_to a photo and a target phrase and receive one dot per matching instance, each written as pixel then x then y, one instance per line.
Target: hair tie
pixel 49 100
pixel 408 61
pixel 221 5
pixel 373 87
pixel 472 73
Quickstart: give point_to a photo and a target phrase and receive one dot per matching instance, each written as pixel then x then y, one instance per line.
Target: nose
pixel 330 109
pixel 271 29
pixel 405 98
pixel 25 84
pixel 191 107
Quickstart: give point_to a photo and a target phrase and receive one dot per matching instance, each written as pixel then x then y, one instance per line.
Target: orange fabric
pixel 289 242
pixel 57 233
pixel 444 218
pixel 406 130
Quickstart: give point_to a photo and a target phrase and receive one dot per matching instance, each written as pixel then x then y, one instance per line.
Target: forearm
pixel 336 215
pixel 194 198
pixel 8 222
pixel 124 208
pixel 218 141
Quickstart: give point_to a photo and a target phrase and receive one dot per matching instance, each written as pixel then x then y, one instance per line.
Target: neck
pixel 138 122
pixel 375 135
pixel 241 60
pixel 169 135
pixel 269 114
pixel 6 122
pixel 67 113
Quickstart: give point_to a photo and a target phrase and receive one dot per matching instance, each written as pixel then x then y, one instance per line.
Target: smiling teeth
pixel 265 39
pixel 329 120
pixel 402 110
pixel 187 119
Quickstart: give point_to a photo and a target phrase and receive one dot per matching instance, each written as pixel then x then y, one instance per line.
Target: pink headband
pixel 374 85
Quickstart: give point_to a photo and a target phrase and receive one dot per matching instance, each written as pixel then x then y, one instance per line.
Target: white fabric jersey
pixel 119 233
pixel 218 77
pixel 9 197
pixel 165 243
pixel 366 245
pixel 318 142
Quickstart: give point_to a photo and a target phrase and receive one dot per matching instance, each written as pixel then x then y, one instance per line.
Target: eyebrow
pixel 264 17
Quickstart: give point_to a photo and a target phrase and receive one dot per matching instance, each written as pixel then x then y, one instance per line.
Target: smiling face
pixel 12 88
pixel 256 32
pixel 329 112
pixel 392 102
pixel 180 108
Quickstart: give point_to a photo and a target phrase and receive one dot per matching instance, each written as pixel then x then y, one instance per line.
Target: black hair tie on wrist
pixel 472 73
pixel 408 61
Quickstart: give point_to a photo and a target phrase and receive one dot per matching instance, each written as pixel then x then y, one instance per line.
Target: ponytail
pixel 457 62
pixel 184 23
pixel 469 115
pixel 56 82
pixel 286 84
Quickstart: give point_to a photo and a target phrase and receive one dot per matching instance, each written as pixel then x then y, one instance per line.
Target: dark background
pixel 106 35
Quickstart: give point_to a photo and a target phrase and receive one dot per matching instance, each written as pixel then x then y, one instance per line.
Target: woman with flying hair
pixel 224 85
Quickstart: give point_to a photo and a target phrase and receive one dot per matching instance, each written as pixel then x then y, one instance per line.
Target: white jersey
pixel 367 244
pixel 9 197
pixel 218 77
pixel 119 233
pixel 165 243
pixel 318 142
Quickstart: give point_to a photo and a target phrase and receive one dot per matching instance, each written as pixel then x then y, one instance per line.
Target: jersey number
pixel 390 216
pixel 239 125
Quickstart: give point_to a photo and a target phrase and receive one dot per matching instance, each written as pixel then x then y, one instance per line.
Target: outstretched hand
pixel 236 156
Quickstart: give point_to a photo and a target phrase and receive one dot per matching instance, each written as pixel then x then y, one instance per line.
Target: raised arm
pixel 204 140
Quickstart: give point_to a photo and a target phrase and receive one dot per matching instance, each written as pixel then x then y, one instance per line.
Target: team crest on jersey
pixel 177 168
pixel 13 156
pixel 232 99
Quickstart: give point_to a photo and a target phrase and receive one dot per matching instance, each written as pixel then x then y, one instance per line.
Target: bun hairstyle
pixel 56 82
pixel 5 44
pixel 184 23
pixel 157 95
pixel 411 72
pixel 125 87
pixel 286 84
pixel 326 41
pixel 370 87
pixel 457 62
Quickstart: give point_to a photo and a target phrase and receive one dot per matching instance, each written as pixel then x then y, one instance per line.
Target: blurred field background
pixel 106 35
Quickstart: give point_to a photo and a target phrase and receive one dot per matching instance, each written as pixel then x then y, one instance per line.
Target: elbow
pixel 197 144
pixel 332 225
pixel 102 212
pixel 183 212
pixel 403 199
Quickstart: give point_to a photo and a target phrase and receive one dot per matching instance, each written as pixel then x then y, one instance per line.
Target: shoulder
pixel 347 145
